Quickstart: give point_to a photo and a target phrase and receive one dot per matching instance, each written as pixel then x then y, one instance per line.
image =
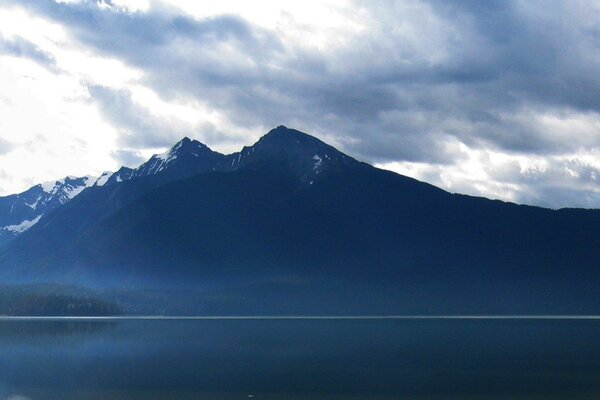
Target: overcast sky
pixel 492 98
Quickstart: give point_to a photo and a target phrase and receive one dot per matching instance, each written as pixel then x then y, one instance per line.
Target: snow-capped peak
pixel 185 148
pixel 25 209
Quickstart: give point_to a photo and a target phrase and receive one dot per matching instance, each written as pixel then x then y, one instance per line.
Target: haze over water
pixel 300 359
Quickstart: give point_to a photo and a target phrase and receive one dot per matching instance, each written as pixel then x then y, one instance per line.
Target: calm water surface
pixel 300 359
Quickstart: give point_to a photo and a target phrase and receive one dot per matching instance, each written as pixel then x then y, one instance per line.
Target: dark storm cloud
pixel 544 52
pixel 424 77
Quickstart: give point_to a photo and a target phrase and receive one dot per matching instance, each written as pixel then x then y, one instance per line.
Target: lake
pixel 300 359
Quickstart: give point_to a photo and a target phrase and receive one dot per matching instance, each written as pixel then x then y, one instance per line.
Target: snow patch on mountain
pixel 73 190
pixel 170 154
pixel 101 181
pixel 25 209
pixel 318 161
pixel 35 203
pixel 69 186
pixel 48 186
pixel 23 226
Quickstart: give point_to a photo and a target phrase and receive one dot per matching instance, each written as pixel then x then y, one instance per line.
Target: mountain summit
pixel 305 156
pixel 185 158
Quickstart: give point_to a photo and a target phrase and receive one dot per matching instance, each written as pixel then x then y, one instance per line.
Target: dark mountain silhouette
pixel 19 212
pixel 291 225
pixel 186 158
pixel 302 155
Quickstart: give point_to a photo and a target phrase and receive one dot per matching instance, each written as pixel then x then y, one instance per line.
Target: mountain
pixel 19 212
pixel 57 231
pixel 304 156
pixel 292 225
pixel 185 158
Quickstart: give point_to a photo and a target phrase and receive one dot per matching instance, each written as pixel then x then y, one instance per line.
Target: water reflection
pixel 30 332
pixel 299 359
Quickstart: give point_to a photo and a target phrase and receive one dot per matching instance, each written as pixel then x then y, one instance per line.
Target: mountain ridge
pixel 19 212
pixel 260 230
pixel 187 157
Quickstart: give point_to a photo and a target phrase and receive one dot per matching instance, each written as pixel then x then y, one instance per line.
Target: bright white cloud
pixel 47 113
pixel 551 181
pixel 54 129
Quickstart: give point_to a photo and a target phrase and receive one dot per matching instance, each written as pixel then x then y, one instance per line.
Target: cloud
pixel 128 158
pixel 552 181
pixel 5 146
pixel 148 126
pixel 20 47
pixel 137 126
pixel 427 87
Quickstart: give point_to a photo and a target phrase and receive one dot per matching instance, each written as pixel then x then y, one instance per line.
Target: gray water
pixel 300 359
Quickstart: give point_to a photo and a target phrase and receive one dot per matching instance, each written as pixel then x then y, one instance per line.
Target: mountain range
pixel 292 225
pixel 19 212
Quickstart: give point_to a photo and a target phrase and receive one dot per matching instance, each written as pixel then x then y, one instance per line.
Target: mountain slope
pixel 186 158
pixel 266 233
pixel 19 212
pixel 56 232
